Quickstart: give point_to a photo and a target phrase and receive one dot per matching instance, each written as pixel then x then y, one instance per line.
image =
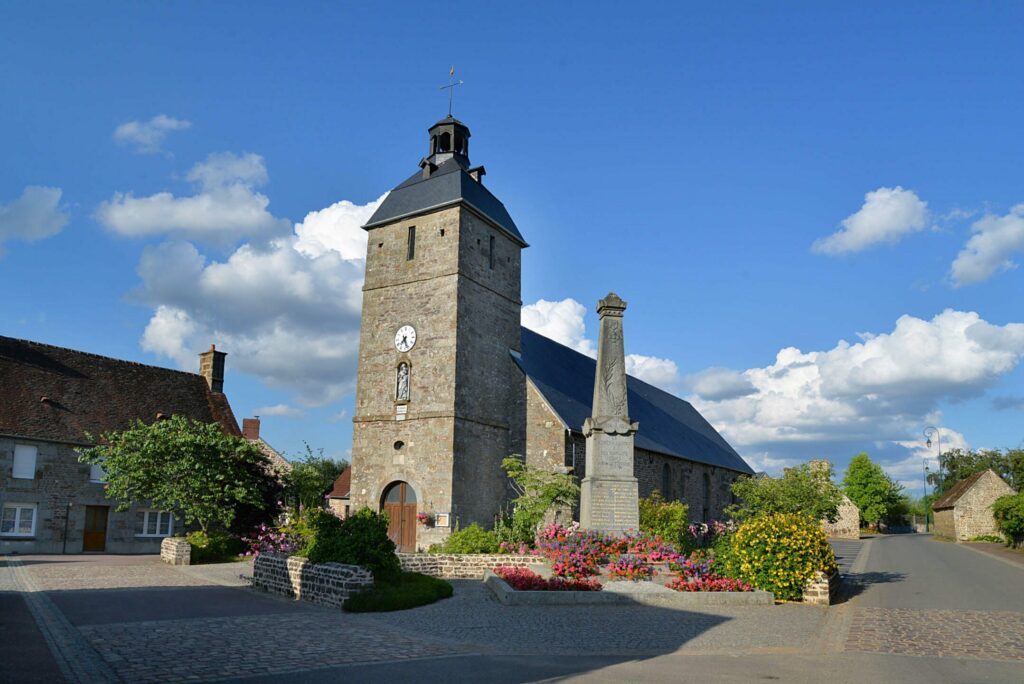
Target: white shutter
pixel 24 462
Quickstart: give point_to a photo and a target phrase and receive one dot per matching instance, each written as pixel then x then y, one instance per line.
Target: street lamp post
pixel 928 432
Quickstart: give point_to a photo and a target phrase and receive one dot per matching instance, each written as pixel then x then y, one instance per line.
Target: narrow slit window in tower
pixel 411 251
pixel 490 251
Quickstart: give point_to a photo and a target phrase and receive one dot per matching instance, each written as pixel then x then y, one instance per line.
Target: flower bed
pixel 523 579
pixel 708 583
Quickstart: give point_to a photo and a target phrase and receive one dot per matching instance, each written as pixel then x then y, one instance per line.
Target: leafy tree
pixel 801 490
pixel 190 468
pixel 959 464
pixel 876 494
pixel 1009 514
pixel 539 491
pixel 311 477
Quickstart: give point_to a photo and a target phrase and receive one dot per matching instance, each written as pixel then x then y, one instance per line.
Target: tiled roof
pixel 342 485
pixel 949 499
pixel 668 425
pixel 89 393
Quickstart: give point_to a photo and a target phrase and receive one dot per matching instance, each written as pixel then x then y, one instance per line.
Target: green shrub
pixel 780 553
pixel 994 538
pixel 666 519
pixel 1009 514
pixel 361 539
pixel 472 539
pixel 216 546
pixel 406 590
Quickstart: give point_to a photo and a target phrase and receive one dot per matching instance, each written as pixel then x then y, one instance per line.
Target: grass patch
pixel 409 590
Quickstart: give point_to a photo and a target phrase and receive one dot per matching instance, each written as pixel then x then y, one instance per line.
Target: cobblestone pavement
pixel 988 635
pixel 473 616
pixel 70 573
pixel 226 648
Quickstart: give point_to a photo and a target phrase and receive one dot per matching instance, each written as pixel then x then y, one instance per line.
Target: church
pixel 449 383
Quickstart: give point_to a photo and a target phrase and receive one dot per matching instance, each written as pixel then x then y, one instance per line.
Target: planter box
pixel 626 593
pixel 328 584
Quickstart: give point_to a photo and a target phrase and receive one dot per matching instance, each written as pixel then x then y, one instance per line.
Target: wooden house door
pixel 95 538
pixel 399 502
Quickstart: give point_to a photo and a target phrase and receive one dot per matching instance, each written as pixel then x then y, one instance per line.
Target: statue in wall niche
pixel 402 393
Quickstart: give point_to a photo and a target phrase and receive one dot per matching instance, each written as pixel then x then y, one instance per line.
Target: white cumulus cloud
pixel 878 389
pixel 281 410
pixel 994 241
pixel 715 384
pixel 225 208
pixel 561 321
pixel 337 228
pixel 35 215
pixel 147 137
pixel 283 314
pixel 886 216
pixel 661 373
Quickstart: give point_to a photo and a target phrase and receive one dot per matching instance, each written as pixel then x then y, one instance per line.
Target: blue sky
pixel 180 174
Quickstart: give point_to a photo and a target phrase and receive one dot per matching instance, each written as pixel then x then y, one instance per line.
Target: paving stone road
pixel 958 612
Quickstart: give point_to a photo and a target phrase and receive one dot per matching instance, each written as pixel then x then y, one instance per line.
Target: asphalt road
pixel 916 571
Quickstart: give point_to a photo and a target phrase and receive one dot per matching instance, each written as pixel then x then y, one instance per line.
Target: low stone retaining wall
pixel 176 551
pixel 822 589
pixel 647 593
pixel 463 566
pixel 327 584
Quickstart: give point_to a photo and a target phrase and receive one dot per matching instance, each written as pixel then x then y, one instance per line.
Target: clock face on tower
pixel 405 338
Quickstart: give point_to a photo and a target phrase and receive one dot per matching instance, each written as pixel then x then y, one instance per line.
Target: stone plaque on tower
pixel 609 492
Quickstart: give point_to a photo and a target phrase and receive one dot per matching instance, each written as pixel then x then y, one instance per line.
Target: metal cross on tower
pixel 451 87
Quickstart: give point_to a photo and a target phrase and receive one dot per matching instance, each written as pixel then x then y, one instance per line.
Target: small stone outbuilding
pixel 847 526
pixel 965 511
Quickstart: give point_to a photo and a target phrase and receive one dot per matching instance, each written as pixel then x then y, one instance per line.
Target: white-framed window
pixel 155 524
pixel 24 462
pixel 18 520
pixel 96 473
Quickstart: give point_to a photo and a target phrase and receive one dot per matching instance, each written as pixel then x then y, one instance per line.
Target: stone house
pixel 52 402
pixel 965 511
pixel 338 497
pixel 449 383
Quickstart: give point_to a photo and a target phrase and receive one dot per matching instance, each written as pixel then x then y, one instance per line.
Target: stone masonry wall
pixel 848 524
pixel 61 480
pixel 944 525
pixel 685 480
pixel 822 589
pixel 176 551
pixel 973 511
pixel 463 566
pixel 327 584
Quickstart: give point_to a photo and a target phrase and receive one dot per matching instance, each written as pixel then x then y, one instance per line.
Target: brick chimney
pixel 251 428
pixel 211 367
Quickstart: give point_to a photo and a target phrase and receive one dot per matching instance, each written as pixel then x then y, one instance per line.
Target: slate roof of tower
pixel 91 393
pixel 448 185
pixel 668 425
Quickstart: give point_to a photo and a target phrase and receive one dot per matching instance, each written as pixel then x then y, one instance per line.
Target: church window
pixel 490 251
pixel 399 445
pixel 442 232
pixel 707 496
pixel 402 382
pixel 666 481
pixel 410 253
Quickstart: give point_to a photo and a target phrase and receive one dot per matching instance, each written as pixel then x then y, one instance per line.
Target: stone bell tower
pixel 439 401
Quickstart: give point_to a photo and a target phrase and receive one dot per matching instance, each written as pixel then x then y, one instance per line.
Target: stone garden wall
pixel 462 566
pixel 822 589
pixel 328 584
pixel 176 551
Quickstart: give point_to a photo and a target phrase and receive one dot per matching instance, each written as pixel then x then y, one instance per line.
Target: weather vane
pixel 451 87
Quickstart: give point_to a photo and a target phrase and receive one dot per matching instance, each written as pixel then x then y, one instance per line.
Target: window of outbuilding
pixel 24 462
pixel 96 473
pixel 18 520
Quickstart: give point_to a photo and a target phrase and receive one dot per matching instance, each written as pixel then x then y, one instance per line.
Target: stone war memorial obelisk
pixel 609 493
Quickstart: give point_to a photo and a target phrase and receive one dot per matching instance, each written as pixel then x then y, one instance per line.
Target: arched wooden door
pixel 399 502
